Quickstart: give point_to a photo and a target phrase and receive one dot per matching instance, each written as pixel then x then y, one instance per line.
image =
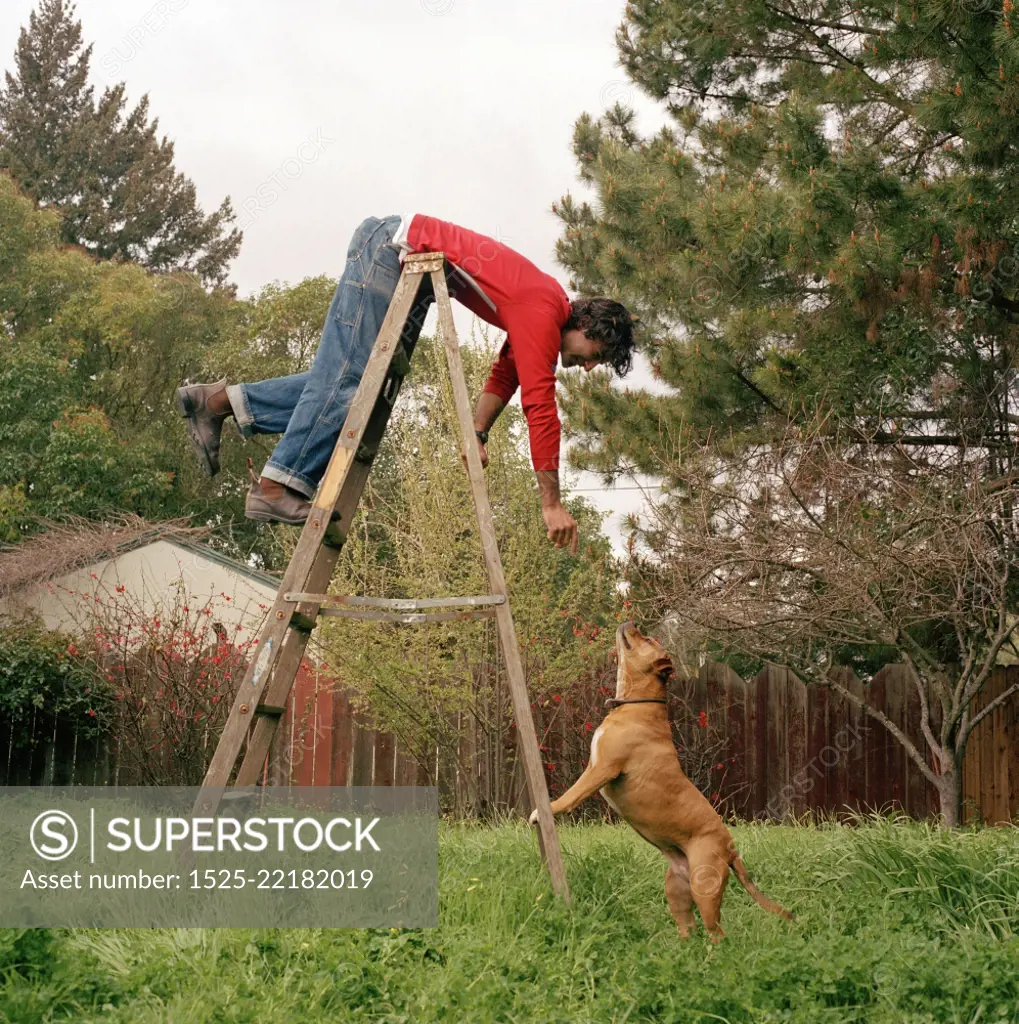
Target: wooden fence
pixel 767 747
pixel 807 749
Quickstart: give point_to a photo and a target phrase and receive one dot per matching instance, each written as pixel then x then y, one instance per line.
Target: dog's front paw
pixel 533 819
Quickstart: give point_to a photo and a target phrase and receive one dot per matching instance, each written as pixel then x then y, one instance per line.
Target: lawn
pixel 896 923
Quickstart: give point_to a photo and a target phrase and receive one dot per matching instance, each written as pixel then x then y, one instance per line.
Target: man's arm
pixel 562 527
pixel 500 387
pixel 502 383
pixel 486 412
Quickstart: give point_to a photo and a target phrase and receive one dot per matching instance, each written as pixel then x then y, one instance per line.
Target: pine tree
pixel 102 166
pixel 828 220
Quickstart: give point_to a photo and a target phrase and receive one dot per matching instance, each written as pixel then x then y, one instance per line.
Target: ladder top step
pixel 422 262
pixel 393 604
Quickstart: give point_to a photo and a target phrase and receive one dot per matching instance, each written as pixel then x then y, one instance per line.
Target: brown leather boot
pixel 204 426
pixel 290 508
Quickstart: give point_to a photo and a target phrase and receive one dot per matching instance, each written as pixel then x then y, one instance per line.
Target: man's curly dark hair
pixel 609 322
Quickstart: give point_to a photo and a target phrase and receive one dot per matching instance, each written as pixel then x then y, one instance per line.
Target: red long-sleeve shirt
pixel 531 307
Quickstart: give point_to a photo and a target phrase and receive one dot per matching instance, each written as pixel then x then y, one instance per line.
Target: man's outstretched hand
pixel 562 527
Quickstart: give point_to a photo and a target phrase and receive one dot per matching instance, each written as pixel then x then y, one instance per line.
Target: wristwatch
pixel 482 436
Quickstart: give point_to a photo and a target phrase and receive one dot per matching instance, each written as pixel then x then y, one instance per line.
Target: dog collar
pixel 614 702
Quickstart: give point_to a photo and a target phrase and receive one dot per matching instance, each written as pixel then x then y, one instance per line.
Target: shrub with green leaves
pixel 41 670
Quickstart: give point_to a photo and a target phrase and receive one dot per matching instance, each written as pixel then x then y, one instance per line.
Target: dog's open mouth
pixel 623 626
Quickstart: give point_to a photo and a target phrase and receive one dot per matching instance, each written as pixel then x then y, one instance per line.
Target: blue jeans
pixel 309 409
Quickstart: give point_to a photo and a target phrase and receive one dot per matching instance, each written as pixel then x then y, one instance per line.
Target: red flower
pixel 702 720
pixel 588 727
pixel 91 713
pixel 557 698
pixel 714 798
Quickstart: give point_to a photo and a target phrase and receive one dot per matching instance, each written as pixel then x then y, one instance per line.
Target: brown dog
pixel 635 767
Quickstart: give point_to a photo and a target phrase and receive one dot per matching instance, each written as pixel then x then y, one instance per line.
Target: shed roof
pixel 77 543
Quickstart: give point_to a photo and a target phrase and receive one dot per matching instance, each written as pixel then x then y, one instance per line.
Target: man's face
pixel 578 349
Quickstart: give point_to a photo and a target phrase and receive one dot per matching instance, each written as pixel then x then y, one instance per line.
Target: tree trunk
pixel 950 794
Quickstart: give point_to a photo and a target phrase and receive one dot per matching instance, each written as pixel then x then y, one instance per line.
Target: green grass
pixel 896 923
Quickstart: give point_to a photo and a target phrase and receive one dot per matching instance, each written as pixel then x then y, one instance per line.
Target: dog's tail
pixel 740 870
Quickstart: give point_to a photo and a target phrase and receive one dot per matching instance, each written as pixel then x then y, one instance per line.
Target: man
pixel 309 409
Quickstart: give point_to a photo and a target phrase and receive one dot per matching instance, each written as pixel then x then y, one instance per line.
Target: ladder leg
pixel 526 734
pixel 281 683
pixel 369 412
pixel 279 687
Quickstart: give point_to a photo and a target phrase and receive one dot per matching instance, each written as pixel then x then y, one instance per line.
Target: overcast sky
pixel 462 109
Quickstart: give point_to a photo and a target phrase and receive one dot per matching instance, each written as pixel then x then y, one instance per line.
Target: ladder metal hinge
pixel 412 619
pixel 396 604
pixel 408 612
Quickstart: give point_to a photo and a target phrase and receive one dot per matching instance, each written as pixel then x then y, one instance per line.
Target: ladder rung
pixel 412 619
pixel 269 709
pixel 393 604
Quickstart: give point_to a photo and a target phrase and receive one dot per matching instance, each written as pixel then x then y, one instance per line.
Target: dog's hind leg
pixel 677 892
pixel 709 873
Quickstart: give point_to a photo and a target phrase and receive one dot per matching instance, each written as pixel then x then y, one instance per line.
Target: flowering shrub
pixel 172 675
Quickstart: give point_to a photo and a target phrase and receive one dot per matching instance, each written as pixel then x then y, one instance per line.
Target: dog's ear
pixel 662 667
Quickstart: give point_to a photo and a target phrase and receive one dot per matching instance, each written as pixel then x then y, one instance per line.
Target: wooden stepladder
pixel 302 598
